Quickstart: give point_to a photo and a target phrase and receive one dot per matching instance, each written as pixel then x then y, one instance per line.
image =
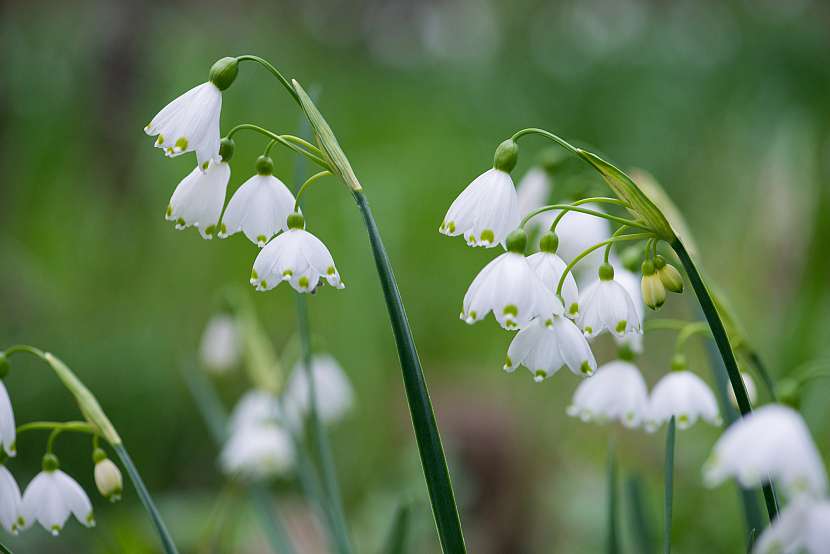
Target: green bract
pixel 223 72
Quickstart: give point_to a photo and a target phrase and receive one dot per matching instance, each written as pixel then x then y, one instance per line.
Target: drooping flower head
pixel 487 210
pixel 803 526
pixel 606 306
pixel 190 123
pixel 199 198
pixel 545 346
pixel 8 431
pixel 295 256
pixel 52 496
pixel 219 349
pixel 509 288
pixel 550 267
pixel 770 444
pixel 258 451
pixel 260 207
pixel 616 391
pixel 685 396
pixel 333 392
pixel 10 516
pixel 256 407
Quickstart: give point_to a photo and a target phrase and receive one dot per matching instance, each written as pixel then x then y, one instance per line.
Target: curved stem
pixel 274 71
pixel 570 266
pixel 282 139
pixel 688 331
pixel 669 484
pixel 73 426
pixel 433 460
pixel 24 348
pixel 617 233
pixel 592 200
pixel 547 134
pixel 307 184
pixel 572 208
pixel 755 360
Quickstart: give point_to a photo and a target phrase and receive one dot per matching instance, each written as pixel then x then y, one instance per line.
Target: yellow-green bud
pixel 517 241
pixel 507 154
pixel 606 272
pixel 223 72
pixel 549 243
pixel 296 221
pixel 669 275
pixel 654 293
pixel 107 477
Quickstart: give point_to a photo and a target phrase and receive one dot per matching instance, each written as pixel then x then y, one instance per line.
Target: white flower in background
pixel 295 256
pixel 770 444
pixel 631 284
pixel 260 207
pixel 8 431
pixel 616 391
pixel 803 526
pixel 533 192
pixel 190 123
pixel 256 407
pixel 751 390
pixel 52 496
pixel 606 306
pixel 199 197
pixel 509 288
pixel 219 349
pixel 545 346
pixel 10 516
pixel 685 396
pixel 333 392
pixel 258 451
pixel 549 267
pixel 577 232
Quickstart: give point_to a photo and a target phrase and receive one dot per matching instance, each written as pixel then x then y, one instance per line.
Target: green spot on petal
pixel 488 236
pixel 511 309
pixel 303 282
pixel 331 270
pixel 574 309
pixel 169 211
pixel 585 368
pixel 181 144
pixel 621 326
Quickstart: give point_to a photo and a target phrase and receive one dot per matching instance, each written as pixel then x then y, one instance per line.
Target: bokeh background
pixel 726 103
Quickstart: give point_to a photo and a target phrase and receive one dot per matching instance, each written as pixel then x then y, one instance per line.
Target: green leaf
pixel 399 531
pixel 613 544
pixel 669 484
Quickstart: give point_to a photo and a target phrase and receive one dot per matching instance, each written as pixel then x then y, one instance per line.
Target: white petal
pixel 43 502
pixel 199 198
pixel 8 431
pixel 333 392
pixel 486 211
pixel 9 501
pixel 75 498
pixel 259 208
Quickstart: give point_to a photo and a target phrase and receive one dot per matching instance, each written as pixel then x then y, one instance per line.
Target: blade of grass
pixel 637 515
pixel 613 545
pixel 399 532
pixel 669 484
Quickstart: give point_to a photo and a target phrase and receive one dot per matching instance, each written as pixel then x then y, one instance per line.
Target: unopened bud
pixel 107 476
pixel 669 275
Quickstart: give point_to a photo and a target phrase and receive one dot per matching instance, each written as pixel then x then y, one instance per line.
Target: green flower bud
pixel 296 221
pixel 264 165
pixel 606 272
pixel 226 148
pixel 507 154
pixel 654 293
pixel 223 72
pixel 549 243
pixel 50 462
pixel 671 278
pixel 517 241
pixel 678 362
pixel 108 478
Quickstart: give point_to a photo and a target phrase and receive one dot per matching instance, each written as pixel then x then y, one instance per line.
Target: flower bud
pixel 264 165
pixel 606 272
pixel 549 243
pixel 107 476
pixel 517 241
pixel 654 293
pixel 226 148
pixel 669 275
pixel 507 154
pixel 223 72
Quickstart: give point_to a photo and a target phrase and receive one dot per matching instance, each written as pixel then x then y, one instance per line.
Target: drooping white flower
pixel 256 407
pixel 8 431
pixel 509 288
pixel 533 192
pixel 770 444
pixel 199 197
pixel 545 346
pixel 550 267
pixel 219 349
pixel 685 396
pixel 631 284
pixel 10 516
pixel 259 208
pixel 52 496
pixel 190 123
pixel 258 451
pixel 751 390
pixel 577 232
pixel 295 256
pixel 485 212
pixel 803 526
pixel 606 306
pixel 616 391
pixel 333 392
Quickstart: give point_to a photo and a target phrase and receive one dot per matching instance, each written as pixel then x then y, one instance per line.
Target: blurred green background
pixel 726 103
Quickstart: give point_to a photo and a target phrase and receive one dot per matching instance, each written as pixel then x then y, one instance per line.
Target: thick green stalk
pixel 669 484
pixel 146 499
pixel 638 516
pixel 726 353
pixel 613 544
pixel 433 461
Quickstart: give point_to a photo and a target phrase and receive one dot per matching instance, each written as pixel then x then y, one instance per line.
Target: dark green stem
pixel 399 532
pixel 613 545
pixel 638 515
pixel 669 484
pixel 428 438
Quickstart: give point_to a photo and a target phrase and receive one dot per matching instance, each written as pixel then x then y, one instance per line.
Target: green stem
pixel 307 184
pixel 591 200
pixel 274 71
pixel 428 438
pixel 755 360
pixel 669 484
pixel 146 499
pixel 694 328
pixel 283 140
pixel 613 545
pixel 638 515
pixel 574 208
pixel 728 356
pixel 547 134
pixel 576 260
pixel 617 233
pixel 399 532
pixel 73 426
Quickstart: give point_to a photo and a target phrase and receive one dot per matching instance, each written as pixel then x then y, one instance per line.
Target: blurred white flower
pixel 577 232
pixel 219 349
pixel 8 430
pixel 256 407
pixel 509 288
pixel 259 208
pixel 51 497
pixel 549 267
pixel 10 516
pixel 533 192
pixel 333 392
pixel 770 444
pixel 606 306
pixel 298 257
pixel 485 212
pixel 631 284
pixel 616 391
pixel 751 389
pixel 803 526
pixel 199 197
pixel 545 346
pixel 190 123
pixel 685 396
pixel 258 451
pixel 108 479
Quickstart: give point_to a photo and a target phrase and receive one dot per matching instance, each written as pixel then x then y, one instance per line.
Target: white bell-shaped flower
pixel 219 349
pixel 52 496
pixel 8 431
pixel 334 396
pixel 190 123
pixel 295 256
pixel 770 444
pixel 606 306
pixel 616 391
pixel 533 192
pixel 260 207
pixel 199 198
pixel 509 288
pixel 10 516
pixel 256 407
pixel 631 284
pixel 545 346
pixel 258 451
pixel 685 396
pixel 751 390
pixel 550 267
pixel 817 530
pixel 803 526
